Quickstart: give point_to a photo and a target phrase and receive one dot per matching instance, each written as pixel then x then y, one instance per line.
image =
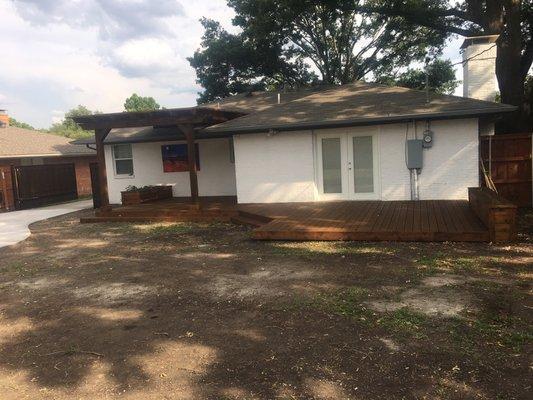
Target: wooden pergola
pixel 187 120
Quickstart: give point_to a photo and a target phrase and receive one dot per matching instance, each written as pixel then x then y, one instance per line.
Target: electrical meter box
pixel 414 153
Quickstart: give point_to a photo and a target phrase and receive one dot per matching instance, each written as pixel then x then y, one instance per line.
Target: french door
pixel 348 164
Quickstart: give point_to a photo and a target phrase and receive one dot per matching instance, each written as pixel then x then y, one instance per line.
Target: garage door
pixel 37 185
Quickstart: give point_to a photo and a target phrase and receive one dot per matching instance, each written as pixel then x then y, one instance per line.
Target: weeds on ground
pixel 304 249
pixel 405 321
pixel 178 228
pixel 350 303
pixel 440 262
pixel 495 330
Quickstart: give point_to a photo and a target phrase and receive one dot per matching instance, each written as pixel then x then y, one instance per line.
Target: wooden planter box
pixel 498 215
pixel 146 195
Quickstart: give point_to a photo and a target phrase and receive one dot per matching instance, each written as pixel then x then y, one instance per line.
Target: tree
pixel 24 125
pixel 340 42
pixel 511 19
pixel 139 103
pixel 228 64
pixel 440 77
pixel 69 128
pixel 283 42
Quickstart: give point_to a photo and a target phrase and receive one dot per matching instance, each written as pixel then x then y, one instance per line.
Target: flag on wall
pixel 175 158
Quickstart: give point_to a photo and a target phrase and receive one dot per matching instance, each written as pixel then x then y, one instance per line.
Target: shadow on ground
pixel 200 311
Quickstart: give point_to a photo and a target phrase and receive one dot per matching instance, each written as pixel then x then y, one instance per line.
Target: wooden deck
pixel 339 220
pixel 370 220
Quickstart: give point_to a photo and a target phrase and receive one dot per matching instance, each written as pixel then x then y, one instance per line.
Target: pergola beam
pixel 168 117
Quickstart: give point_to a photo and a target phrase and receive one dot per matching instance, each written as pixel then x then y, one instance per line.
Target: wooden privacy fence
pixel 6 189
pixel 36 185
pixel 507 160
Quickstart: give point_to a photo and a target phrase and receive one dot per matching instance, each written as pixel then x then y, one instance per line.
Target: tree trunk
pixel 508 61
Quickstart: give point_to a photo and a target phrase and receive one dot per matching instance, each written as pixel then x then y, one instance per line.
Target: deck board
pixel 426 220
pixel 371 220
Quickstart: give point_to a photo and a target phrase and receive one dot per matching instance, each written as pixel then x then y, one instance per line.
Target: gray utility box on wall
pixel 414 153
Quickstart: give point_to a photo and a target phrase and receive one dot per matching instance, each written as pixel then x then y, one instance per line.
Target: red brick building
pixel 24 147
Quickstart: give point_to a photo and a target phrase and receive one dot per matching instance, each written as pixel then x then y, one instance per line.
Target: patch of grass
pixel 177 228
pixel 440 262
pixel 326 248
pixel 505 332
pixel 350 303
pixel 18 268
pixel 166 229
pixel 347 303
pixel 405 321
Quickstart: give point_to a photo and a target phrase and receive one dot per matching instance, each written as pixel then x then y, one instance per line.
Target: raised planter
pixel 145 194
pixel 498 214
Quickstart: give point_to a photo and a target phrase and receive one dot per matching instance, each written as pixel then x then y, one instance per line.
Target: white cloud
pixel 58 54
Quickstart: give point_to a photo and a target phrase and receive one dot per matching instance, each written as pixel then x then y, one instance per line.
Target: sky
pixel 56 54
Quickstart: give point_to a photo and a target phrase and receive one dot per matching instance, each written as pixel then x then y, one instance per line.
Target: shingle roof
pixel 17 142
pixel 358 103
pixel 252 102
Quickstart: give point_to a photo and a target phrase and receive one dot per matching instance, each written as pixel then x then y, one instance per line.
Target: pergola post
pixel 188 131
pixel 100 135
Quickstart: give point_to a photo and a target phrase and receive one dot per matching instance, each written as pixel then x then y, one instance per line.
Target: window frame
pixel 123 176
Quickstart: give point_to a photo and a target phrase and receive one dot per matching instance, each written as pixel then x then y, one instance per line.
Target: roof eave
pixel 358 121
pixel 48 155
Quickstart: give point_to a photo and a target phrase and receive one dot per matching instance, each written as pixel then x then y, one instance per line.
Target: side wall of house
pixel 282 167
pixel 216 176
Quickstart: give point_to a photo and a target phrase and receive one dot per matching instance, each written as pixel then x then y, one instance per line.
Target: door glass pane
pixel 331 165
pixel 363 164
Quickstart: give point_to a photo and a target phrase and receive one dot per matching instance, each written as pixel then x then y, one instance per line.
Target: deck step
pixel 257 217
pixel 248 221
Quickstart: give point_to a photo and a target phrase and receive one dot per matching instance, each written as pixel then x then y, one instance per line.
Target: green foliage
pixel 69 128
pixel 441 78
pixel 228 64
pixel 18 124
pixel 139 103
pixel 511 20
pixel 282 43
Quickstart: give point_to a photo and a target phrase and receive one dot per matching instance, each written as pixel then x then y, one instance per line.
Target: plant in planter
pixel 137 195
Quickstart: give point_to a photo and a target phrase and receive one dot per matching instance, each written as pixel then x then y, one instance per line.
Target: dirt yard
pixel 191 311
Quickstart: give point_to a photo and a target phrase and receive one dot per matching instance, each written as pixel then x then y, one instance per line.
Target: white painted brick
pixel 215 178
pixel 479 73
pixel 281 168
pixel 276 168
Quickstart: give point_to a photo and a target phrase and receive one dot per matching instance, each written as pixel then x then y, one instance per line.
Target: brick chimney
pixel 479 67
pixel 4 119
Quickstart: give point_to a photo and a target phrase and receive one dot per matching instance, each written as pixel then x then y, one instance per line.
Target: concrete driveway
pixel 14 225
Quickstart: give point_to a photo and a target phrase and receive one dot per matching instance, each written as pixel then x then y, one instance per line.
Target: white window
pixel 123 159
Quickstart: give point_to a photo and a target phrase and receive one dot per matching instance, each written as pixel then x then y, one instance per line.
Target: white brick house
pixel 358 141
